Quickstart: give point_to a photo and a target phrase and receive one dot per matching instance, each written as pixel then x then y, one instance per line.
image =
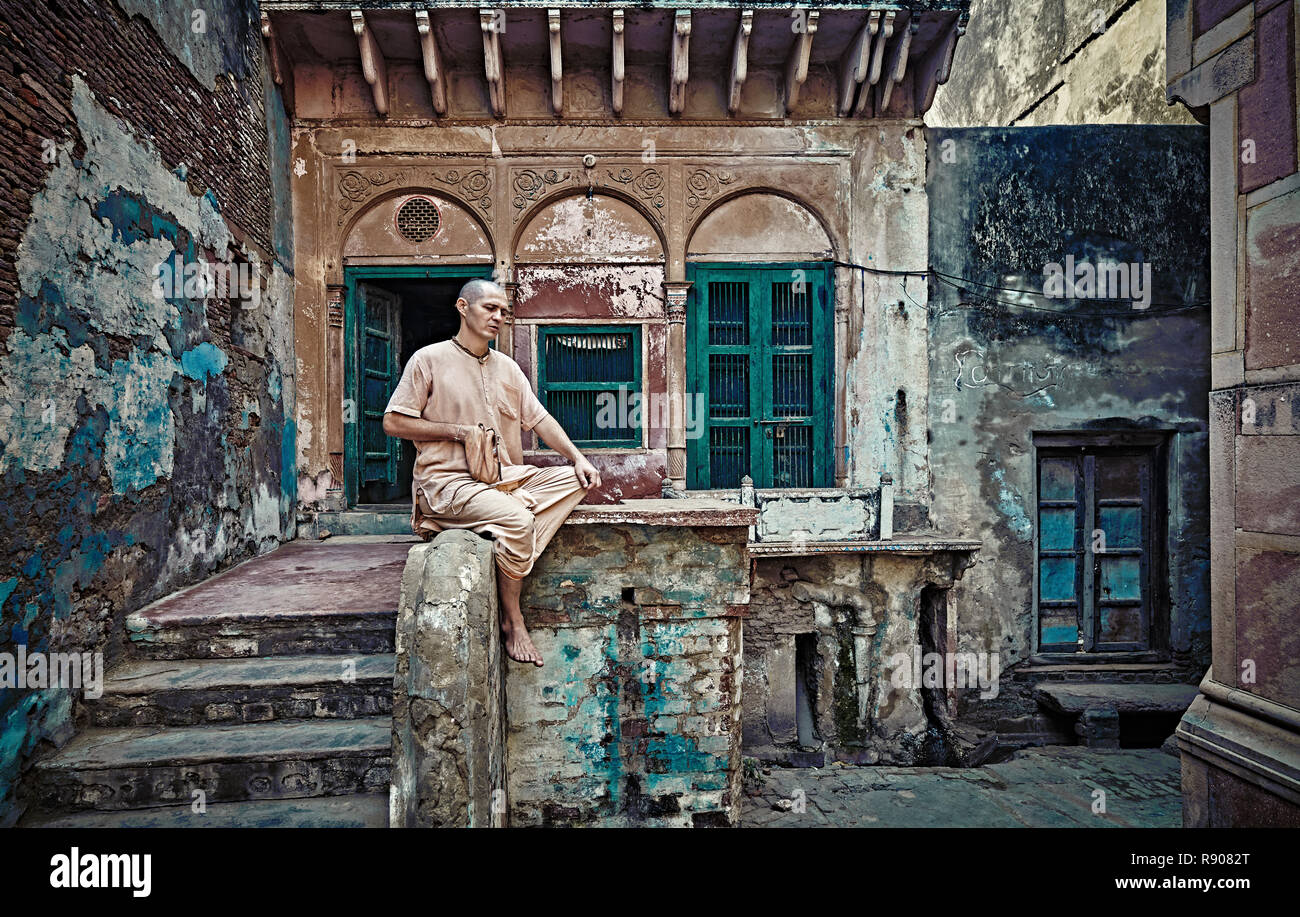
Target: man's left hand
pixel 588 476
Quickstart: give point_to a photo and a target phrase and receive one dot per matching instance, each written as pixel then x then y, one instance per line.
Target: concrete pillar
pixel 449 752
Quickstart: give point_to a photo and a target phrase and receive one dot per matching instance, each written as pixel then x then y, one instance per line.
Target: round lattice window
pixel 418 220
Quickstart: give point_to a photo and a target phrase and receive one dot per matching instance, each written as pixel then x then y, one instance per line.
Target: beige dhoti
pixel 443 384
pixel 522 520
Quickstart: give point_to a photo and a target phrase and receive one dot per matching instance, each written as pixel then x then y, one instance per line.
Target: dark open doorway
pixel 395 312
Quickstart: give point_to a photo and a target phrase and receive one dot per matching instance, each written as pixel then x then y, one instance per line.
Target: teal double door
pixel 760 350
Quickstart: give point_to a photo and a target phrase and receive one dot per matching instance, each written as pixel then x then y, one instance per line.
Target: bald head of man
pixel 481 304
pixel 476 289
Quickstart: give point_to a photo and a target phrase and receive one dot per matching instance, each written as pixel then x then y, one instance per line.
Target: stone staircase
pixel 261 697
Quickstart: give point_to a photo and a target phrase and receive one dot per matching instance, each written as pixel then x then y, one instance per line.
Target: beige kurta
pixel 443 384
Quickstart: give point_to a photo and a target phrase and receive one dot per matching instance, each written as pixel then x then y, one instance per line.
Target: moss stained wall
pixel 1004 364
pixel 145 440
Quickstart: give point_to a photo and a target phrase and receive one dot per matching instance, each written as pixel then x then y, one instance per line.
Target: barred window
pixel 589 379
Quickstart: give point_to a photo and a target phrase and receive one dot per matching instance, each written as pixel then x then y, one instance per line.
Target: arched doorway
pixel 399 292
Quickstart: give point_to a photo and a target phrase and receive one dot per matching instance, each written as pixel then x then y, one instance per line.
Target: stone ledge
pixel 691 511
pixel 904 545
pixel 1074 699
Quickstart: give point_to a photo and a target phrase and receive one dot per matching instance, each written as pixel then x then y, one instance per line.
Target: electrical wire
pixel 960 283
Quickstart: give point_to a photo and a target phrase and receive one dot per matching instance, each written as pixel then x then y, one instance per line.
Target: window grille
pixel 587 379
pixel 418 220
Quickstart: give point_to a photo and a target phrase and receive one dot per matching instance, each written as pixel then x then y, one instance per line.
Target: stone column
pixel 843 298
pixel 449 752
pixel 675 296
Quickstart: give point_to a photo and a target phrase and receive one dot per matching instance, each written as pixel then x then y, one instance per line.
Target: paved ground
pixel 1041 787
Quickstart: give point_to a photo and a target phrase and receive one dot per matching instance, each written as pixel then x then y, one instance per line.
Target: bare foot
pixel 519 646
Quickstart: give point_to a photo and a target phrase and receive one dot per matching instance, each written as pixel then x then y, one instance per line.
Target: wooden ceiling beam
pixel 373 67
pixel 557 61
pixel 740 60
pixel 796 65
pixel 618 66
pixel 433 69
pixel 895 66
pixel 492 23
pixel 935 67
pixel 854 63
pixel 679 64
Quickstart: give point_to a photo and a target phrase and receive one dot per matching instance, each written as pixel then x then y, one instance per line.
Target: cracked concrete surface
pixel 1035 788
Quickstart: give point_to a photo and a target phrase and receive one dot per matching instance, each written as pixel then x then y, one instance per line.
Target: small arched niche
pixel 760 227
pixel 588 230
pixel 418 224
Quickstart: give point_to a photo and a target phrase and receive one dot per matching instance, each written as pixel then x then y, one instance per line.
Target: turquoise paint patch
pixel 1061 634
pixel 288 466
pixel 1010 505
pixel 7 589
pixel 134 219
pixel 203 361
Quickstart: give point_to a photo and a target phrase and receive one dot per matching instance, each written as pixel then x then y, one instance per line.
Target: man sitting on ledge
pixel 447 390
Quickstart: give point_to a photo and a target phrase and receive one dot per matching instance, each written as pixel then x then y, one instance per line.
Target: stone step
pixel 364 520
pixel 271 634
pixel 337 596
pixel 360 810
pixel 137 767
pixel 1073 699
pixel 187 692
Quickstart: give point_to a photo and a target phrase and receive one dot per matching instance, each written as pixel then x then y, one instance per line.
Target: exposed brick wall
pixel 146 438
pixel 635 718
pixel 219 135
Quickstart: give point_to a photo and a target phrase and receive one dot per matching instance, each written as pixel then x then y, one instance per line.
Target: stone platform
pixel 634 719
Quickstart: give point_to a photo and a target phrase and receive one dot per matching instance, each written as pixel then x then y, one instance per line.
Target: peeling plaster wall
pixel 860 611
pixel 142 436
pixel 854 192
pixel 1073 62
pixel 885 377
pixel 1015 200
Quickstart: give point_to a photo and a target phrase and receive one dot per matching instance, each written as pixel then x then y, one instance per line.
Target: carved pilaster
pixel 506 336
pixel 336 472
pixel 675 293
pixel 336 307
pixel 334 382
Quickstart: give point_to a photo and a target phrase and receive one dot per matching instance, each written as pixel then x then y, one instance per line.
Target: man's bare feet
pixel 518 645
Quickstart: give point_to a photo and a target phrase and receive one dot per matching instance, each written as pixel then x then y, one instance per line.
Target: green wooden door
pixel 380 313
pixel 1095 512
pixel 760 350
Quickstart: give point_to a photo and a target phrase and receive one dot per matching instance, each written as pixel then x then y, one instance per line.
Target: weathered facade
pixel 1234 65
pixel 1069 437
pixel 746 278
pixel 1074 62
pixel 146 432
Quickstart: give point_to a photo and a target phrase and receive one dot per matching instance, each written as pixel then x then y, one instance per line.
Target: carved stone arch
pixel 464 232
pixel 645 188
pixel 651 226
pixel 804 245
